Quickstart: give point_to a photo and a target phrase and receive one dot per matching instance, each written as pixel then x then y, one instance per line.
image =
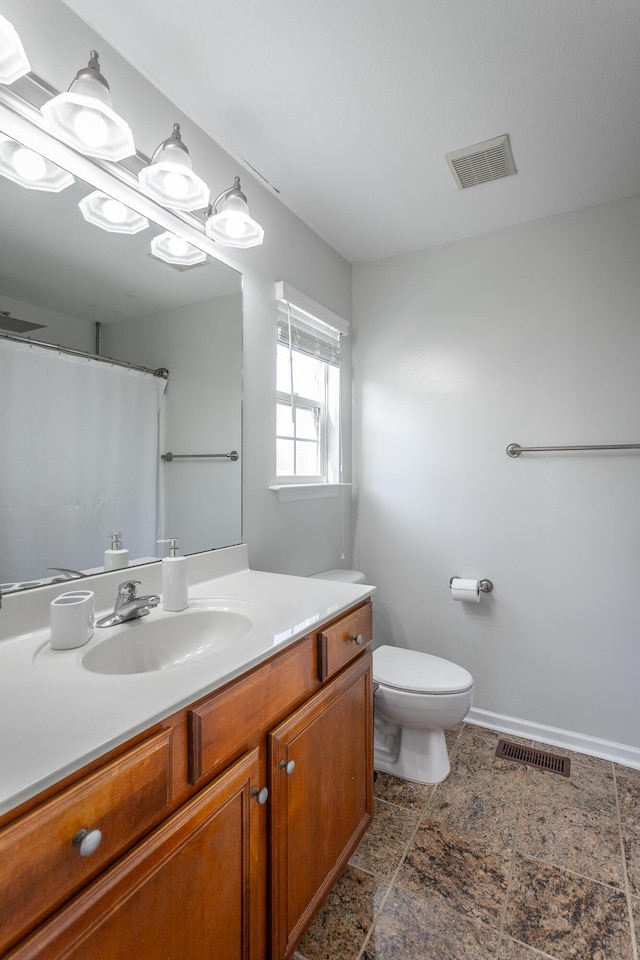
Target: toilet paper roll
pixel 466 590
pixel 71 619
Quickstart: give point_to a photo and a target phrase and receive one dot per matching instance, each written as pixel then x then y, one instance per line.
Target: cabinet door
pixel 40 865
pixel 185 893
pixel 321 769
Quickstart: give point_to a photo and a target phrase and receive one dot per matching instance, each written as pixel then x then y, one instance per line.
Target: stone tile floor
pixel 499 862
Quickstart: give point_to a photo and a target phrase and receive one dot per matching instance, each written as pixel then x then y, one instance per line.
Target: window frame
pixel 318 332
pixel 306 403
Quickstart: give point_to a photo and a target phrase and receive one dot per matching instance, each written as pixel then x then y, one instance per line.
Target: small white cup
pixel 71 619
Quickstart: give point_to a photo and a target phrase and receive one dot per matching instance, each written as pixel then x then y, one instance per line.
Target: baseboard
pixel 608 750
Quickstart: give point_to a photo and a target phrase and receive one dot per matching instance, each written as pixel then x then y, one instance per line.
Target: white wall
pixel 201 345
pixel 301 537
pixel 58 328
pixel 528 335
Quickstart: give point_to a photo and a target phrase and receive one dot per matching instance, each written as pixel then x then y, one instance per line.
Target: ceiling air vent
pixel 481 162
pixel 12 325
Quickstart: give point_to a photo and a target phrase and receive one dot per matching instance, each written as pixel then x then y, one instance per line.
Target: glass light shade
pixel 229 222
pixel 84 119
pixel 166 246
pixel 169 178
pixel 111 215
pixel 29 165
pixel 174 186
pixel 13 60
pixel 28 169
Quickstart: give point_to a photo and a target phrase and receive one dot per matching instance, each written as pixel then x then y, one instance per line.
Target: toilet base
pixel 422 756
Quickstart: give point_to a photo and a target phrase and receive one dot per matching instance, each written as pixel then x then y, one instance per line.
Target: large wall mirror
pixel 84 442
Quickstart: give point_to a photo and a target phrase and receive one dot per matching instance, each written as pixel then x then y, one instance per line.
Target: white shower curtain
pixel 79 460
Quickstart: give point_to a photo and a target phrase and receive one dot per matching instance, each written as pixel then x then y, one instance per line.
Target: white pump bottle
pixel 175 584
pixel 117 556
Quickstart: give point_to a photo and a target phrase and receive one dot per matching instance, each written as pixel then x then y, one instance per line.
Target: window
pixel 304 425
pixel 308 396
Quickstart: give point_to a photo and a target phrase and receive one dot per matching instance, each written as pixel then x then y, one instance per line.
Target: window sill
pixel 307 491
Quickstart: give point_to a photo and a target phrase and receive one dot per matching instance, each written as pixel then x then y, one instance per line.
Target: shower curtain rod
pixel 514 449
pixel 159 372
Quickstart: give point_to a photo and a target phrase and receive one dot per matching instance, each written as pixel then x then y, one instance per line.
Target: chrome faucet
pixel 128 605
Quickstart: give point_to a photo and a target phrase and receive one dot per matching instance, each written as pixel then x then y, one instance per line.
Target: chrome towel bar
pixel 168 457
pixel 514 449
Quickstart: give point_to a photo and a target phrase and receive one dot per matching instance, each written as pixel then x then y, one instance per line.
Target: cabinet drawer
pixel 344 640
pixel 41 867
pixel 227 723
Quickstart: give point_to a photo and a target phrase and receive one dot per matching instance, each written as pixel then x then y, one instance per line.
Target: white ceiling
pixel 347 107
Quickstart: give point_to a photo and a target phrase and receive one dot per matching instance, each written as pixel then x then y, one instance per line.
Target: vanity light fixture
pixel 169 178
pixel 13 60
pixel 166 246
pixel 228 220
pixel 84 119
pixel 111 215
pixel 29 169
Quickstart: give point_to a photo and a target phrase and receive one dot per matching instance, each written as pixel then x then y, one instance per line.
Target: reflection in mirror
pixel 83 440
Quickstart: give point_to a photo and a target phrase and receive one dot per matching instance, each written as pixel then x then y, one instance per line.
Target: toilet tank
pixel 345 576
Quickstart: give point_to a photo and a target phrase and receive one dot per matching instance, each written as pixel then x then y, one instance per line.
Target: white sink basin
pixel 162 640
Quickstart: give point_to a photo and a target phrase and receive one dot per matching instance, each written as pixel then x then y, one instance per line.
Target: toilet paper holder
pixel 485 586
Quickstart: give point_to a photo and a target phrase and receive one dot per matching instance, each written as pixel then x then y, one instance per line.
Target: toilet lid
pixel 419 672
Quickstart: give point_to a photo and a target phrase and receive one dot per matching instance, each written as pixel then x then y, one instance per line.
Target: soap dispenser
pixel 174 578
pixel 117 556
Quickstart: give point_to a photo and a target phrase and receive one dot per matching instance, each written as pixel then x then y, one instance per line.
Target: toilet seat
pixel 418 672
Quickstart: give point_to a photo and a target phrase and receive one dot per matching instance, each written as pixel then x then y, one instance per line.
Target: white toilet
pixel 419 697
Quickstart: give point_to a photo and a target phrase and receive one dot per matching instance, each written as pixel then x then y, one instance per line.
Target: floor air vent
pixel 507 750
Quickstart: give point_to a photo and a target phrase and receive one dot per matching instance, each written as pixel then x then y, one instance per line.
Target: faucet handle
pixel 127 591
pixel 67 573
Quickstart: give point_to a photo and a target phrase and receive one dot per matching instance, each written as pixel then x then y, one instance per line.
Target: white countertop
pixel 56 716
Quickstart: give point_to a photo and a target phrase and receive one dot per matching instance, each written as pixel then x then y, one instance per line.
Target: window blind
pixel 308 340
pixel 308 327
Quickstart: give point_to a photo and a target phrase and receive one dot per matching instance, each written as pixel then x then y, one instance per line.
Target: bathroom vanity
pixel 218 829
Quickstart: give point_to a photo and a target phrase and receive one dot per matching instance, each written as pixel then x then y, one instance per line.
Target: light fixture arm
pixel 92 72
pixel 235 190
pixel 228 219
pixel 174 142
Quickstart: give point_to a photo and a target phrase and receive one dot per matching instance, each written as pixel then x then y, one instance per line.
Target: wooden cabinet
pixel 231 720
pixel 184 893
pixel 41 866
pixel 321 762
pixel 210 842
pixel 340 642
